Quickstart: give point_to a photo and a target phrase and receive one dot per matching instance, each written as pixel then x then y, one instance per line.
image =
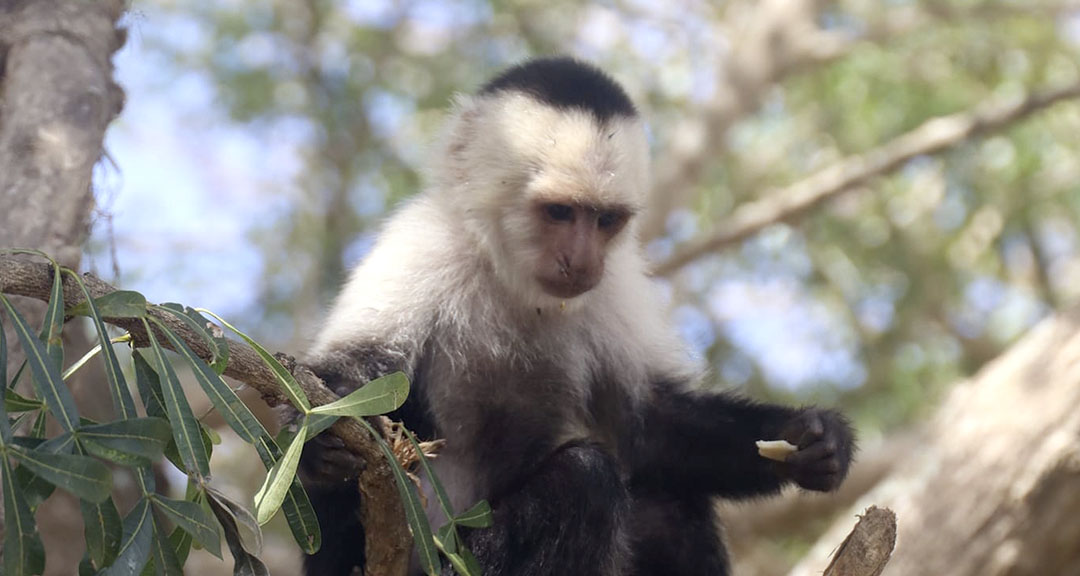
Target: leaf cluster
pixel 156 535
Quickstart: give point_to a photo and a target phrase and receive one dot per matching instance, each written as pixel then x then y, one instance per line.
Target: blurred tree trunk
pixel 57 97
pixel 994 488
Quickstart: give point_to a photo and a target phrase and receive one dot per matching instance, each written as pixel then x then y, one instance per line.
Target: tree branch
pixel 796 200
pixel 769 41
pixel 868 547
pixel 388 541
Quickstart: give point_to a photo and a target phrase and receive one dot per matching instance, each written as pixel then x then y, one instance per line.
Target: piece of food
pixel 777 450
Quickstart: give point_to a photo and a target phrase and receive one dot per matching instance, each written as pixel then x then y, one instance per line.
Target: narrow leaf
pixel 446 538
pixel 83 476
pixel 181 544
pixel 96 309
pixel 47 382
pixel 379 396
pixel 244 563
pixel 33 488
pixel 149 385
pixel 23 552
pixel 5 426
pixel 15 402
pixel 288 383
pixel 272 493
pixel 136 544
pixel 479 516
pixel 137 442
pixel 119 304
pixel 185 427
pixel 53 323
pixel 236 413
pixel 246 526
pixel 210 333
pixel 103 531
pixel 164 556
pixel 193 519
pixel 414 511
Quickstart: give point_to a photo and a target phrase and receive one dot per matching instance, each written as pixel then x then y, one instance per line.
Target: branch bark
pixel 992 490
pixel 388 542
pixel 795 201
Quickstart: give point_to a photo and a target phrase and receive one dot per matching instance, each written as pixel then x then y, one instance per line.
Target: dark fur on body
pixel 577 420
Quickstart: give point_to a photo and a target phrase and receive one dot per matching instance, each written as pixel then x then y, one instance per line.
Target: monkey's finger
pixel 811 454
pixel 811 428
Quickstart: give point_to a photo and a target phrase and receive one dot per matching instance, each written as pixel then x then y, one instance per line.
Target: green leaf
pixel 103 531
pixel 53 323
pixel 210 333
pixel 185 427
pixel 136 544
pixel 15 402
pixel 246 526
pixel 284 377
pixel 83 476
pixel 5 426
pixel 297 507
pixel 236 413
pixel 38 430
pixel 414 512
pixel 149 385
pixel 379 396
pixel 244 562
pixel 479 516
pixel 47 381
pixel 193 519
pixel 446 538
pixel 272 493
pixel 181 544
pixel 318 423
pixel 164 555
pixel 34 489
pixel 137 442
pixel 23 552
pixel 111 305
pixel 119 304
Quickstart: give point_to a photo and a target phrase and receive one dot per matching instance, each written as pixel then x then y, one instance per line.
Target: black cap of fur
pixel 565 83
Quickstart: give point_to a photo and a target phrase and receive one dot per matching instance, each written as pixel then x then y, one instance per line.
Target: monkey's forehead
pixel 568 148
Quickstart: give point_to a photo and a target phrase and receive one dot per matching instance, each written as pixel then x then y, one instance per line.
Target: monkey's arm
pixel 694 442
pixel 328 470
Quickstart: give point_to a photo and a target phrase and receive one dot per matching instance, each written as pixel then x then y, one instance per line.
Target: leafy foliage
pixel 32 466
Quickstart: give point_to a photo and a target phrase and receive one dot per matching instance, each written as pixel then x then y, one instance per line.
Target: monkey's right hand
pixel 325 460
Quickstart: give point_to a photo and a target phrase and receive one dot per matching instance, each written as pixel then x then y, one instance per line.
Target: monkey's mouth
pixel 567 286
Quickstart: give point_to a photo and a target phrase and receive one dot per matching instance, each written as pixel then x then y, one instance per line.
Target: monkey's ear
pixel 463 128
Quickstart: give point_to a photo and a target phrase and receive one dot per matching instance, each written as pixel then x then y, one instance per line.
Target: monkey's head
pixel 547 166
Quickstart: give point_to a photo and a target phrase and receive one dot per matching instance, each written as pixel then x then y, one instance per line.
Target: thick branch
pixel 868 547
pixel 389 541
pixel 794 201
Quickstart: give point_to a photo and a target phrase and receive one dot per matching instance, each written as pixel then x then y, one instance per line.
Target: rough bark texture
pixel 56 99
pixel 994 489
pixel 388 548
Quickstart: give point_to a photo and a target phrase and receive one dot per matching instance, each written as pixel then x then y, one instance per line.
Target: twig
pixel 794 201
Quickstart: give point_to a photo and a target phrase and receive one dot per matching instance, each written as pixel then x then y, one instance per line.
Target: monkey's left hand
pixel 826 443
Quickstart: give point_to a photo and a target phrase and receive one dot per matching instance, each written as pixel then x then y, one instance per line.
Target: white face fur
pixel 506 154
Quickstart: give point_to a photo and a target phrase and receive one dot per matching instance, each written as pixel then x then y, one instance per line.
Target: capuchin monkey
pixel 513 293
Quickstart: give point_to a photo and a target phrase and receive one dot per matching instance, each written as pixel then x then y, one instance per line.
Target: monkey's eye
pixel 559 212
pixel 609 219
